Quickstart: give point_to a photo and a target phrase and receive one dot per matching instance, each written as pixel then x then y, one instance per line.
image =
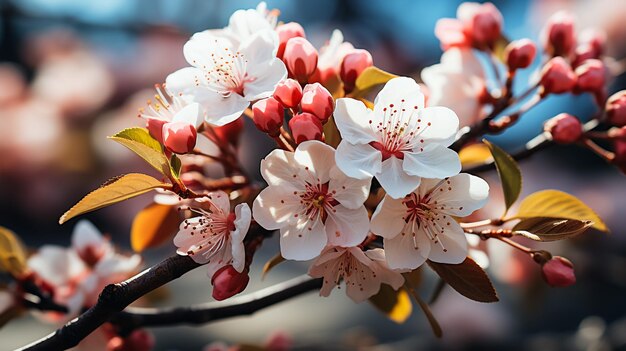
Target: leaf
pixel 334 86
pixel 550 229
pixel 475 154
pixel 12 253
pixel 509 172
pixel 139 141
pixel 434 325
pixel 331 133
pixel 113 191
pixel 370 78
pixel 176 166
pixel 396 305
pixel 273 262
pixel 153 226
pixel 557 204
pixel 468 279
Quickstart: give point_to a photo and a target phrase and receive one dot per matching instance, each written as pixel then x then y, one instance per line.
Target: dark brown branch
pixel 539 143
pixel 133 318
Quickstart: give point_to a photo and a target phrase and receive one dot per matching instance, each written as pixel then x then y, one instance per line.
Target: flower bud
pixel 352 66
pixel 179 137
pixel 616 109
pixel 155 128
pixel 288 92
pixel 138 340
pixel 590 76
pixel 230 132
pixel 520 54
pixel 305 126
pixel 558 272
pixel 317 101
pixel 619 148
pixel 268 116
pixel 558 34
pixel 564 128
pixel 594 40
pixel 227 282
pixel 481 22
pixel 300 57
pixel 285 32
pixel 557 77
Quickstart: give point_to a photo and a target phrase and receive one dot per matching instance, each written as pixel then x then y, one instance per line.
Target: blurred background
pixel 73 72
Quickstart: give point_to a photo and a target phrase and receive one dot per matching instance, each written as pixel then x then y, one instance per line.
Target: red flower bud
pixel 268 116
pixel 590 76
pixel 179 137
pixel 558 272
pixel 155 127
pixel 317 101
pixel 619 148
pixel 230 132
pixel 285 32
pixel 288 92
pixel 558 34
pixel 481 22
pixel 616 109
pixel 300 57
pixel 520 54
pixel 227 282
pixel 564 128
pixel 557 77
pixel 352 66
pixel 138 340
pixel 305 126
pixel 593 40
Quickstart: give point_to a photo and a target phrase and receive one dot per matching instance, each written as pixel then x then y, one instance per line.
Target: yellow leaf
pixel 12 253
pixel 370 78
pixel 331 133
pixel 396 305
pixel 557 204
pixel 115 190
pixel 139 141
pixel 475 154
pixel 273 262
pixel 153 226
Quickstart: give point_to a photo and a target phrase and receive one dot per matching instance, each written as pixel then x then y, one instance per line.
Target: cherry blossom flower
pixel 421 226
pixel 363 272
pixel 458 82
pixel 246 23
pixel 226 75
pixel 311 201
pixel 400 142
pixel 331 56
pixel 169 108
pixel 216 236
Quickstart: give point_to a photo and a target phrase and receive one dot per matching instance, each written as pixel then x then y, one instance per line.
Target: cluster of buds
pixel 477 25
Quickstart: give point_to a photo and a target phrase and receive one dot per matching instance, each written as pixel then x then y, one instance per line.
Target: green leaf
pixel 176 166
pixel 467 278
pixel 139 141
pixel 273 262
pixel 12 253
pixel 395 304
pixel 557 204
pixel 115 190
pixel 509 172
pixel 153 226
pixel 550 229
pixel 370 78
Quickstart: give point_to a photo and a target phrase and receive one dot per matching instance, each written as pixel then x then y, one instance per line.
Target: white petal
pixel 444 124
pixel 449 246
pixel 245 23
pixel 396 90
pixel 56 265
pixel 396 182
pixel 346 227
pixel 461 195
pixel 191 114
pixel 387 220
pixel 264 85
pixel 350 192
pixel 303 240
pixel 206 146
pixel 183 81
pixel 407 250
pixel 242 223
pixel 220 200
pixel 117 266
pixel 280 168
pixel 275 206
pixel 353 118
pixel 217 261
pixel 220 110
pixel 387 276
pixel 326 265
pixel 86 234
pixel 316 158
pixel 435 161
pixel 358 161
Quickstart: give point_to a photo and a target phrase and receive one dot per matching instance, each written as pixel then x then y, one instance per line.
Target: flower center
pixel 165 105
pixel 225 70
pixel 317 201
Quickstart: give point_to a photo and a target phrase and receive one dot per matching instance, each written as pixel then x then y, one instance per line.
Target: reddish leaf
pixel 468 279
pixel 153 226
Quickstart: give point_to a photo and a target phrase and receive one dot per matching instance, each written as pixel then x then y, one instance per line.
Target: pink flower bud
pixel 285 32
pixel 288 92
pixel 300 57
pixel 619 148
pixel 450 33
pixel 558 272
pixel 558 34
pixel 230 133
pixel 268 116
pixel 590 76
pixel 594 40
pixel 520 54
pixel 179 137
pixel 557 77
pixel 138 340
pixel 155 128
pixel 616 109
pixel 227 282
pixel 481 22
pixel 317 101
pixel 564 128
pixel 352 66
pixel 305 126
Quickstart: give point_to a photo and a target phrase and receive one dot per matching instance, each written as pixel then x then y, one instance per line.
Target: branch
pixel 538 143
pixel 133 318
